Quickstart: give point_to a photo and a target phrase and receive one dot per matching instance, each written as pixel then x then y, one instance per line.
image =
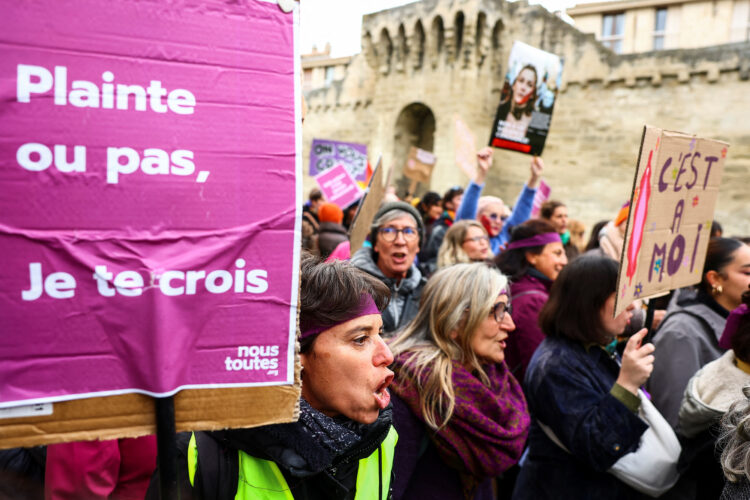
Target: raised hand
pixel 537 167
pixel 484 162
pixel 637 363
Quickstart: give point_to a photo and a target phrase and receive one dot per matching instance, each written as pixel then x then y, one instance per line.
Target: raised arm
pixel 525 202
pixel 468 207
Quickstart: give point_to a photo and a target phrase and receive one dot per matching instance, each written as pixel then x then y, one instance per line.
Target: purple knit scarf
pixel 487 431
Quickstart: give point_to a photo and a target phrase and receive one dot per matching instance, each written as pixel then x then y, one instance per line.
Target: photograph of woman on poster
pixel 517 107
pixel 527 98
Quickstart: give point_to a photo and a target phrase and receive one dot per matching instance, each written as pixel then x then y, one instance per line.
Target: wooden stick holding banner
pixel 166 445
pixel 675 188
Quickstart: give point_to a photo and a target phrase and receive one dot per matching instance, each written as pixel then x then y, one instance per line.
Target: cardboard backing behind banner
pixel 151 235
pixel 368 207
pixel 419 165
pixel 675 189
pixel 528 97
pixel 132 415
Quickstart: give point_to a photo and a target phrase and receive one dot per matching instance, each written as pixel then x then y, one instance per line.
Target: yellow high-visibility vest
pixel 262 480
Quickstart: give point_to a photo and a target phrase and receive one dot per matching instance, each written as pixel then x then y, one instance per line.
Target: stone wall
pixel 450 56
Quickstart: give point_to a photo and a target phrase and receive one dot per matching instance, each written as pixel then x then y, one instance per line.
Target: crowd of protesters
pixel 470 351
pixel 513 376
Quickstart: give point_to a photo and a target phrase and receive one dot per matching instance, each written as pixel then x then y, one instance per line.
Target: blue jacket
pixel 521 211
pixel 568 388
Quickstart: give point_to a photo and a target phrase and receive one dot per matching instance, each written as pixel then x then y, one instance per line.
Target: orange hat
pixel 622 215
pixel 330 212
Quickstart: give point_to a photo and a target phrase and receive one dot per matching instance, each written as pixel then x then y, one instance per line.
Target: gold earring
pixel 716 289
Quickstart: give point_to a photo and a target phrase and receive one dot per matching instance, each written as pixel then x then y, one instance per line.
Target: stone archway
pixel 415 126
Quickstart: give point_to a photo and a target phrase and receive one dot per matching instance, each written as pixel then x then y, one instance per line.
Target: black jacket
pixel 330 235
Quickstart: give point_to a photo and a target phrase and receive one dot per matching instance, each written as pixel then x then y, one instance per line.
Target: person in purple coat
pixel 460 415
pixel 533 259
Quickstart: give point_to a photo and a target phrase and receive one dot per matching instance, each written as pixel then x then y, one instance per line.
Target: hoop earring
pixel 716 289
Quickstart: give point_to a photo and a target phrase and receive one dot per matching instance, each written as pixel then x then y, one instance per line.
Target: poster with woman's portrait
pixel 528 96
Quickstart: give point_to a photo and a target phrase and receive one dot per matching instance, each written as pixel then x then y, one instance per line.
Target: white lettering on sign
pixel 36 80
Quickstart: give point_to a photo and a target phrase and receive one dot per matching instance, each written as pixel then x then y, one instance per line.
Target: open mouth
pixel 382 396
pixel 398 257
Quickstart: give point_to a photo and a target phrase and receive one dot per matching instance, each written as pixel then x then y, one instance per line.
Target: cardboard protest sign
pixel 369 205
pixel 465 144
pixel 671 209
pixel 150 237
pixel 528 97
pixel 542 195
pixel 325 155
pixel 419 165
pixel 338 186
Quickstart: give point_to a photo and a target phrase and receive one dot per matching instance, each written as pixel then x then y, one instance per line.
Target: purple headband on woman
pixel 366 307
pixel 535 241
pixel 732 325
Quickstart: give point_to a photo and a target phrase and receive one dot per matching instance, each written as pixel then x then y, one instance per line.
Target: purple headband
pixel 366 307
pixel 535 241
pixel 732 325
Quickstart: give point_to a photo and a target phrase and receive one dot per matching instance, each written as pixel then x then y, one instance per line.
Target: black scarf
pixel 313 443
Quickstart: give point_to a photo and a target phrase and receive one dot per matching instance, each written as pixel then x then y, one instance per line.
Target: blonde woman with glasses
pixel 461 416
pixel 465 241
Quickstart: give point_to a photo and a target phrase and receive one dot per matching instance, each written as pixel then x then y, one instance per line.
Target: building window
pixel 308 75
pixel 613 28
pixel 329 75
pixel 660 26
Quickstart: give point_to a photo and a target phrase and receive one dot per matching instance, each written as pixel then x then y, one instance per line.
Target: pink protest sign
pixel 542 195
pixel 338 186
pixel 150 167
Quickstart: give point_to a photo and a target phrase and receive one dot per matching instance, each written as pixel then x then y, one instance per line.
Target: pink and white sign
pixel 542 195
pixel 148 224
pixel 338 186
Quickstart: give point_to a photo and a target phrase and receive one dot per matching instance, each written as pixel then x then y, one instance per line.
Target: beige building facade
pixel 628 26
pixel 319 69
pixel 425 63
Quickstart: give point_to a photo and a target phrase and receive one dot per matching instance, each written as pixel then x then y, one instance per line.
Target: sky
pixel 339 21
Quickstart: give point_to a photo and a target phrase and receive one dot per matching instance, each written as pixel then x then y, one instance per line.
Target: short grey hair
pixel 735 425
pixel 393 215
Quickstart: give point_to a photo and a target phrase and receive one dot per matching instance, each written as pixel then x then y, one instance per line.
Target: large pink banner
pixel 149 169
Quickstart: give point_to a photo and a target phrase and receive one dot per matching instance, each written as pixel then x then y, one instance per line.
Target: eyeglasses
pixel 389 234
pixel 500 310
pixel 498 216
pixel 478 239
